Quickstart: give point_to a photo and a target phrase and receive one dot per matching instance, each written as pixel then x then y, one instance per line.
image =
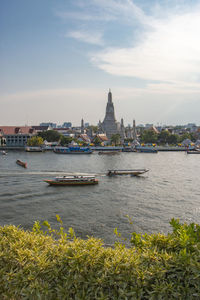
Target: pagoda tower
pixel 82 126
pixel 122 131
pixel 134 131
pixel 109 124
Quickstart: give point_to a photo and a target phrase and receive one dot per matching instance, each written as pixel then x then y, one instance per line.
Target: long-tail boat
pixel 133 172
pixel 21 163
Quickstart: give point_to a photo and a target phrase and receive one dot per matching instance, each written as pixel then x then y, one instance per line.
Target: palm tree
pixel 115 139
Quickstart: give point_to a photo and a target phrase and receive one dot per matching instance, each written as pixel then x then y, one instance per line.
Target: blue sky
pixel 58 59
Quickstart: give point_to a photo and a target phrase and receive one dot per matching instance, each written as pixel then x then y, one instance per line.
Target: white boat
pixel 33 149
pixel 133 172
pixel 193 151
pixel 73 180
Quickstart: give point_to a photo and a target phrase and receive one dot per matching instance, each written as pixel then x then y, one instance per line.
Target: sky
pixel 59 58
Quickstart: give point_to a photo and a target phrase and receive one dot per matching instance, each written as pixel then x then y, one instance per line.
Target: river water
pixel 170 189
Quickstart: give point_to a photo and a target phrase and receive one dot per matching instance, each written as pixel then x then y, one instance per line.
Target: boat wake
pixel 44 173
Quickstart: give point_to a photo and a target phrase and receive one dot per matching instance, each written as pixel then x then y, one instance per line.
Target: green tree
pixel 185 136
pixel 35 141
pixel 96 141
pixel 149 136
pixel 115 139
pixel 93 128
pixel 128 140
pixel 50 135
pixel 163 136
pixel 65 140
pixel 173 139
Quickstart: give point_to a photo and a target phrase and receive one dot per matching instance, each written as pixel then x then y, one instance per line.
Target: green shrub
pixel 36 265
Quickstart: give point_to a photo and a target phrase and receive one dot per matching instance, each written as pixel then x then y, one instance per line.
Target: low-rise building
pixel 16 136
pixel 103 139
pixel 41 128
pixel 65 131
pixel 84 138
pixel 49 124
pixel 67 125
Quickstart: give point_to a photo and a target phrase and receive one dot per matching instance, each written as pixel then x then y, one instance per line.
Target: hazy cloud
pixel 142 104
pixel 104 10
pixel 87 37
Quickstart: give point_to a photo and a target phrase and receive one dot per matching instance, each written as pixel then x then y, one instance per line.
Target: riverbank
pixel 109 148
pixel 34 265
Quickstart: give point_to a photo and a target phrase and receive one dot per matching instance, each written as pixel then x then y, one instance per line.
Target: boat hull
pixel 147 150
pixel 73 152
pixel 21 163
pixel 193 152
pixel 127 172
pixel 36 149
pixel 63 183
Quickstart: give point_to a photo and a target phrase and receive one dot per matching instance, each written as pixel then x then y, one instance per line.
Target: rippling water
pixel 170 189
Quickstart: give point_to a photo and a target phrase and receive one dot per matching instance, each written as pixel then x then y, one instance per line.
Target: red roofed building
pixel 84 138
pixel 103 139
pixel 16 136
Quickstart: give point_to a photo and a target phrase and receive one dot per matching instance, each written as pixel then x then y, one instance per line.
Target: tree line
pixel 147 136
pixel 165 137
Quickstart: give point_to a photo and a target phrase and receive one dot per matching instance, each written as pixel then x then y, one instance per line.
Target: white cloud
pixel 104 10
pixel 165 48
pixel 87 37
pixel 169 53
pixel 85 16
pixel 123 10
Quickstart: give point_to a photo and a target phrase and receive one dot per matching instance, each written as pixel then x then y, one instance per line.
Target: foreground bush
pixel 35 265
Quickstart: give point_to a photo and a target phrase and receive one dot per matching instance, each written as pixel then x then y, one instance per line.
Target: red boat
pixel 21 163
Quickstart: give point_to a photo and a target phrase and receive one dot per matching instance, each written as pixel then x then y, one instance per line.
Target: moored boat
pixel 193 152
pixel 73 180
pixel 126 149
pixel 73 150
pixel 133 172
pixel 33 149
pixel 147 150
pixel 21 163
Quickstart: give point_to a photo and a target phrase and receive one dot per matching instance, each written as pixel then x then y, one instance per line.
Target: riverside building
pixel 16 136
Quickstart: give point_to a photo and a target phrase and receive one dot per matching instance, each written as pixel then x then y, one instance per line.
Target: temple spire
pixel 134 131
pixel 109 125
pixel 109 96
pixel 82 126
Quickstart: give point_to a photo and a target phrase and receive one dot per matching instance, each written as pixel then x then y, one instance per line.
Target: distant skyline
pixel 58 60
